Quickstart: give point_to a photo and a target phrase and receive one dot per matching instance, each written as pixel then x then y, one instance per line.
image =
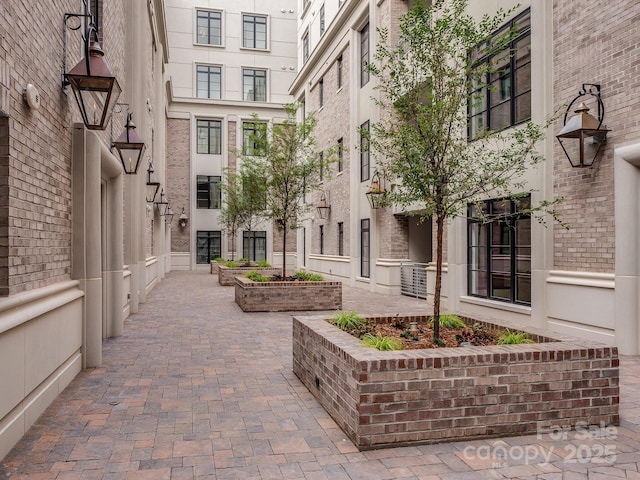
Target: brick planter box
pixel 227 275
pixel 287 296
pixel 406 397
pixel 215 266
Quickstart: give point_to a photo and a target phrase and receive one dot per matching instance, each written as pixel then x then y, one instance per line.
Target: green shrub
pixel 230 264
pixel 219 259
pixel 263 264
pixel 308 276
pixel 243 260
pixel 381 343
pixel 450 321
pixel 256 276
pixel 347 320
pixel 513 338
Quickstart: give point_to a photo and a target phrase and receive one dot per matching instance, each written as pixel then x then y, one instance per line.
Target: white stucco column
pixel 627 265
pixel 86 239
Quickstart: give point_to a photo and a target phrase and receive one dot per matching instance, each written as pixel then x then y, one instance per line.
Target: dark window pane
pixel 478 284
pixel 501 286
pixel 523 289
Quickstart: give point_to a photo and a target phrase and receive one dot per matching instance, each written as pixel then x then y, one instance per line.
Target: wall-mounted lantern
pixel 376 192
pixel 582 136
pixel 168 215
pixel 162 203
pixel 183 220
pixel 129 147
pixel 152 184
pixel 95 89
pixel 323 207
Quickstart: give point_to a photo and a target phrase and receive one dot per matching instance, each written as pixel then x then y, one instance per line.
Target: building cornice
pixel 328 40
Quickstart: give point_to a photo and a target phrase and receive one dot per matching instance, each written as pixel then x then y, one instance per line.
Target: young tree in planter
pixel 244 203
pixel 426 82
pixel 231 211
pixel 289 167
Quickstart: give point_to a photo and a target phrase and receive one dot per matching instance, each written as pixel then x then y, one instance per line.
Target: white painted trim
pixel 585 279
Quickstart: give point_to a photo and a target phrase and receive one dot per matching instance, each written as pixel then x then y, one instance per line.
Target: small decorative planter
pixel 287 296
pixel 227 275
pixel 409 397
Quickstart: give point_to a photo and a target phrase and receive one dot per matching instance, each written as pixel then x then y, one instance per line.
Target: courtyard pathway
pixel 196 388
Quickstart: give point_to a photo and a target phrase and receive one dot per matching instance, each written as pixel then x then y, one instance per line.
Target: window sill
pixel 485 302
pixel 265 50
pixel 196 44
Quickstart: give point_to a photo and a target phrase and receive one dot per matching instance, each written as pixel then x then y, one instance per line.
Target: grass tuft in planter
pixel 257 276
pixel 379 342
pixel 513 338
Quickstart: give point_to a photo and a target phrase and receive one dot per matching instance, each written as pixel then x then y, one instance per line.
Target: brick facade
pixel 178 170
pixel 333 124
pixel 35 145
pixel 589 244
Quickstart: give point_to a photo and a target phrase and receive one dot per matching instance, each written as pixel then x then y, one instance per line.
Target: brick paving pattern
pixel 198 389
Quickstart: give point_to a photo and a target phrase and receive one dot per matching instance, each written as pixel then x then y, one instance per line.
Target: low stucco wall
pixel 40 353
pixel 383 399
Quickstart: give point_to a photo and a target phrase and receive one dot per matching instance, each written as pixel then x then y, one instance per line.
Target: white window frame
pixel 195 27
pixel 267 35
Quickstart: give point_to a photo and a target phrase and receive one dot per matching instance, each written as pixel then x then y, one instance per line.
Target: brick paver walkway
pixel 198 389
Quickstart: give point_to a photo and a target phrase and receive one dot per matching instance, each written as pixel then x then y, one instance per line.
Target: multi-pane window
pixel 254 85
pixel 322 24
pixel 254 246
pixel 339 71
pixel 340 154
pixel 364 151
pixel 208 193
pixel 305 47
pixel 254 31
pixel 340 238
pixel 321 239
pixel 364 55
pixel 208 246
pixel 208 81
pixel 209 27
pixel 501 94
pixel 253 137
pixel 499 250
pixel 321 92
pixel 209 134
pixel 364 248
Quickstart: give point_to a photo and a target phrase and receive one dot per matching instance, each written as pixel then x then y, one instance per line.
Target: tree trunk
pixel 284 250
pixel 436 294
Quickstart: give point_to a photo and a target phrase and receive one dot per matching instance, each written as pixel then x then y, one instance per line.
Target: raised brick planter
pixel 287 296
pixel 227 275
pixel 407 397
pixel 215 266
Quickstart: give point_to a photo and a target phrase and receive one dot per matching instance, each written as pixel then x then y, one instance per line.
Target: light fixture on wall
pixel 582 127
pixel 323 207
pixel 376 192
pixel 95 89
pixel 168 216
pixel 162 203
pixel 183 220
pixel 152 184
pixel 129 147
